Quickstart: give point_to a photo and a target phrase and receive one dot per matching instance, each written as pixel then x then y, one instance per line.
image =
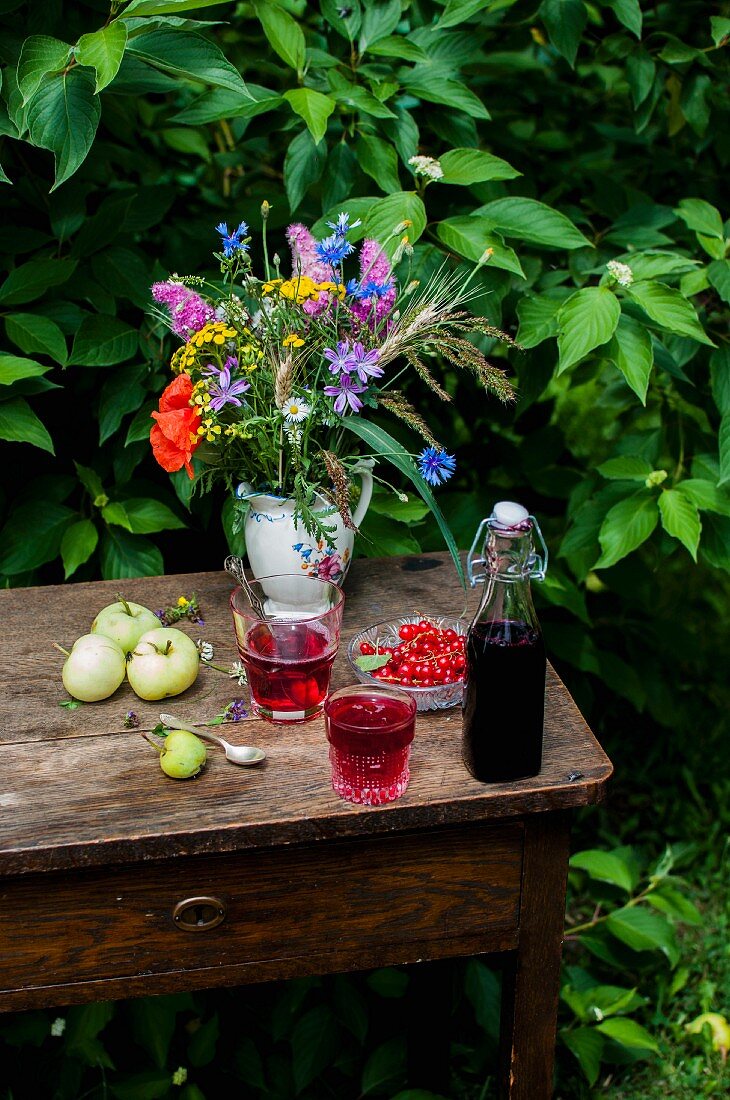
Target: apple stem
pixel 61 649
pixel 125 605
pixel 167 648
pixel 153 743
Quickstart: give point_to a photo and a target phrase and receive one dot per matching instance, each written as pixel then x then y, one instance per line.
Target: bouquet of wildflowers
pixel 277 376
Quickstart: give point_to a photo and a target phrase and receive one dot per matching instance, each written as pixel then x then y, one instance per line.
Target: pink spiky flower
pixel 188 311
pixel 376 271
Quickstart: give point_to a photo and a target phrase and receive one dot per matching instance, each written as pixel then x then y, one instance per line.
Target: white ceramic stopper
pixel 507 513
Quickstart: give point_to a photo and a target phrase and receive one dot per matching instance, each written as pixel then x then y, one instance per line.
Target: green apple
pixel 94 669
pixel 125 622
pixel 164 662
pixel 182 756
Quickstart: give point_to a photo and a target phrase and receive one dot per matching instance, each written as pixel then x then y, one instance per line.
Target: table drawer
pixel 287 911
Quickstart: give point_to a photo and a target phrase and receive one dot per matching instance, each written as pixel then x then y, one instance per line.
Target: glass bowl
pixel 438 697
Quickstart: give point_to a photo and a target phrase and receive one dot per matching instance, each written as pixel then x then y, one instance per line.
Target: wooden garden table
pixel 116 881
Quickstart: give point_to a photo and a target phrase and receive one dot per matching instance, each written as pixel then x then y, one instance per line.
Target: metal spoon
pixel 237 754
pixel 234 566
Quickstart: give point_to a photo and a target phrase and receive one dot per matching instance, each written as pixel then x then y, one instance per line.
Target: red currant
pixel 406 632
pixel 367 649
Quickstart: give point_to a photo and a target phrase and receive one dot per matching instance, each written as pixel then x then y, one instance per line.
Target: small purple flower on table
pixel 224 392
pixel 236 710
pixel 436 466
pixel 345 394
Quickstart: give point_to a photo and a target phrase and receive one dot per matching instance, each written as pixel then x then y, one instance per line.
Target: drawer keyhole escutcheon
pixel 199 914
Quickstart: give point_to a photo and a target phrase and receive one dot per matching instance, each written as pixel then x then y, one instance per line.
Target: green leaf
pixel 284 33
pixel 13 368
pixel 632 351
pixel 467 166
pixel 92 483
pixel 587 320
pixel 382 443
pixel 701 216
pixel 643 931
pixel 103 51
pixel 189 55
pixel 605 867
pixel 315 1043
pixel 385 214
pixel 164 7
pixel 680 519
pixel 538 317
pixel 313 107
pixel 530 220
pixel 471 236
pixel 398 46
pixel 33 279
pixel 564 21
pixel 123 273
pixel 626 526
pixel 103 341
pixel 587 1046
pixel 720 376
pixel 707 496
pixel 720 28
pixel 125 555
pixel 141 424
pixel 626 468
pixel 719 275
pixel 628 12
pixel 369 661
pixel 379 160
pixel 378 21
pixel 35 333
pixel 77 545
pixel 357 97
pixel 385 1068
pixel 668 899
pixel 151 1084
pixel 63 116
pixel 446 92
pixel 32 535
pixel 19 424
pixel 146 516
pixel 303 165
pixel 122 393
pixel 628 1033
pixel 669 309
pixel 40 55
pixel 116 514
pixel 724 444
pixel 458 11
pixel 202 1045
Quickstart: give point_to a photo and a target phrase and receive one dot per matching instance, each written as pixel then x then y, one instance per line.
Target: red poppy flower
pixel 174 437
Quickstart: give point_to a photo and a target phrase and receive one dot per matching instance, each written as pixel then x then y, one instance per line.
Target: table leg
pixel 532 978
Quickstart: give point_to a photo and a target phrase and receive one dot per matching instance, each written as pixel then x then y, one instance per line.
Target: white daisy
pixel 295 410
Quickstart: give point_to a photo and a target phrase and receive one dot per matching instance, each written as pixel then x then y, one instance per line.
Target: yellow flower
pixel 183 359
pixel 182 602
pixel 272 284
pixel 293 340
pixel 216 332
pixel 333 288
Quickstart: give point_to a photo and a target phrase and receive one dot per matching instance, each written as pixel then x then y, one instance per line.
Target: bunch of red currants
pixel 427 655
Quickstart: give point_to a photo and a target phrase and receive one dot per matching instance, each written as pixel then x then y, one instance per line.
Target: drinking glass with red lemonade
pixel 370 731
pixel 288 656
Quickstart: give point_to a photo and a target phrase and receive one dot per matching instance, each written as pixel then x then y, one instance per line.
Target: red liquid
pixel 370 737
pixel 504 700
pixel 288 666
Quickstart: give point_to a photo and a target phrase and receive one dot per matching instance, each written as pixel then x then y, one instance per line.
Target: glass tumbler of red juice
pixel 370 731
pixel 288 656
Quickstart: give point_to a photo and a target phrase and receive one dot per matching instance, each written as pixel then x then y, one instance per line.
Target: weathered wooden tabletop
pixel 79 789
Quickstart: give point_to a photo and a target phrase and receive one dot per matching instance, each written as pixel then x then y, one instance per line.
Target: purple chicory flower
pixel 345 394
pixel 224 392
pixel 237 710
pixel 365 363
pixel 340 359
pixel 188 311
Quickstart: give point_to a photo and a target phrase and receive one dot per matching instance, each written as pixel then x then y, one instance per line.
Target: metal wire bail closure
pixel 476 566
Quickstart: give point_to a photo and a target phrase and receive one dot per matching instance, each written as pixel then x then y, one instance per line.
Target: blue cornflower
pixel 232 242
pixel 333 249
pixel 435 465
pixel 342 225
pixel 352 287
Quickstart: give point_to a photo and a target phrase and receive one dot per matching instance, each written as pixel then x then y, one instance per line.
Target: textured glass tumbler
pixel 370 733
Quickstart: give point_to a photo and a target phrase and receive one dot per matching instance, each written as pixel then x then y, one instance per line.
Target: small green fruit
pixel 182 756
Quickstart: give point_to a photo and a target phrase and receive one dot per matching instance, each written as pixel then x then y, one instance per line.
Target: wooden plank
pixel 80 790
pixel 373 898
